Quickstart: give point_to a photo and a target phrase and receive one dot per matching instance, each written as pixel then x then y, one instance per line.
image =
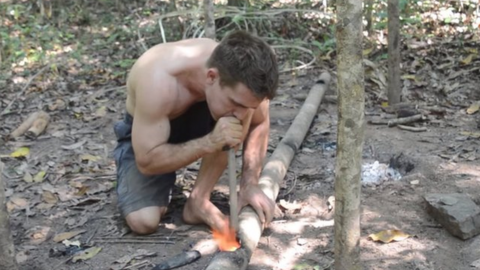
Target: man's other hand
pixel 252 195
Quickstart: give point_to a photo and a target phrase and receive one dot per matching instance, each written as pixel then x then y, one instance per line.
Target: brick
pixel 456 212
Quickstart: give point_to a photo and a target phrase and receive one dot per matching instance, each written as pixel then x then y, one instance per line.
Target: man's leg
pixel 199 208
pixel 145 220
pixel 142 199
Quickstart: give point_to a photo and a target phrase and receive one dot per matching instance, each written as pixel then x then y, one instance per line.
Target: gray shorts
pixel 136 190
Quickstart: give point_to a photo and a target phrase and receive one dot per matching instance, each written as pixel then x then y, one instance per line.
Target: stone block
pixel 456 212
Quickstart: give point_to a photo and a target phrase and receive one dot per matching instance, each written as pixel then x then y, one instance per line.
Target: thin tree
pixel 394 83
pixel 350 136
pixel 7 250
pixel 368 16
pixel 209 19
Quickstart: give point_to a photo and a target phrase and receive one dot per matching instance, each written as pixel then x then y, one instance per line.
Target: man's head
pixel 243 64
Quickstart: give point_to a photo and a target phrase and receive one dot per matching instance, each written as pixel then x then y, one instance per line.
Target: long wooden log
pixel 273 173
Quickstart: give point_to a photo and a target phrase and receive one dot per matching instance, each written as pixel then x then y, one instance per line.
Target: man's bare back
pixel 189 100
pixel 175 59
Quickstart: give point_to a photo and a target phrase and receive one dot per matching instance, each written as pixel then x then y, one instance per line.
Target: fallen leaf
pixel 39 176
pixel 388 236
pixel 86 254
pixel 67 235
pixel 28 177
pixel 89 157
pixel 37 234
pixel 101 112
pixel 367 51
pixel 17 203
pixel 301 241
pixel 475 135
pixel 473 108
pixel 21 257
pixel 82 191
pixel 290 206
pixel 58 105
pixel 96 188
pixel 49 197
pixel 410 77
pixel 475 264
pixel 307 266
pixel 21 152
pixel 125 260
pixel 74 146
pixel 69 243
pixel 467 60
pixel 44 206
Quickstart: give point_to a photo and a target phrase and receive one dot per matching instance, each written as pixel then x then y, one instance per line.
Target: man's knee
pixel 146 220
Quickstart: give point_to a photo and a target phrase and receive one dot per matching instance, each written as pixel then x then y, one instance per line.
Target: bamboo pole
pixel 274 171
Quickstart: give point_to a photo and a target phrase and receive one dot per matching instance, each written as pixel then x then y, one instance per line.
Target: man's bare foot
pixel 197 211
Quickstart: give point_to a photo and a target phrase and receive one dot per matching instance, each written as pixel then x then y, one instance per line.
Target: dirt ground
pixel 77 193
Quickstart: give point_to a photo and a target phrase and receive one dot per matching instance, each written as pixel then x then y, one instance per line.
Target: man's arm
pixel 255 145
pixel 155 99
pixel 254 153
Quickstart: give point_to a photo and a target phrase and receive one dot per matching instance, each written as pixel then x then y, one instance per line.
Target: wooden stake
pixel 232 180
pixel 7 249
pixel 274 171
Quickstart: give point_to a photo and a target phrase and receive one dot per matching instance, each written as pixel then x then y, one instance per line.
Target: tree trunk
pixel 394 87
pixel 209 19
pixel 368 17
pixel 172 6
pixel 351 125
pixel 7 250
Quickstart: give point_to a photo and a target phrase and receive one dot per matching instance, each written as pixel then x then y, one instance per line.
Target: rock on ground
pixel 456 212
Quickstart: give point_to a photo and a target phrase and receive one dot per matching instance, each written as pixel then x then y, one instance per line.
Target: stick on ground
pixel 250 227
pixel 396 121
pixel 413 129
pixel 181 259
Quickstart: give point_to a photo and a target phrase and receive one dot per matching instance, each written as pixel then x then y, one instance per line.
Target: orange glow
pixel 226 240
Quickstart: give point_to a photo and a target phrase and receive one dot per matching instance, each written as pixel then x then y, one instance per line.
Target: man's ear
pixel 212 75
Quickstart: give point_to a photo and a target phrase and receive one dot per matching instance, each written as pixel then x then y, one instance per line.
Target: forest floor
pixel 66 181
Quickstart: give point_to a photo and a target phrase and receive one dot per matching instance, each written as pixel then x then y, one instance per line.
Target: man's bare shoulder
pixel 155 92
pixel 195 42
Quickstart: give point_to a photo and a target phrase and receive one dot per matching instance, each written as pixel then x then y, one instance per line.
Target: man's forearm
pixel 254 152
pixel 167 158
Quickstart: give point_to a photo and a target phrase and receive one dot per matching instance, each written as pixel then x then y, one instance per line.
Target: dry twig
pixel 413 129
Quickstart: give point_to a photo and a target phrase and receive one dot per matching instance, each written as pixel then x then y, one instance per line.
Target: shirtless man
pixel 188 100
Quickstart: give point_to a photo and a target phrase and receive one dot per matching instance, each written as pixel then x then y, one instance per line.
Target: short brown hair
pixel 244 58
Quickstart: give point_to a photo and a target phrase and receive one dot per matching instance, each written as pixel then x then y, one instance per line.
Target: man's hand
pixel 227 132
pixel 252 195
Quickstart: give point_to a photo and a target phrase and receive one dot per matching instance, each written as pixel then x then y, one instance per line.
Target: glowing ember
pixel 226 240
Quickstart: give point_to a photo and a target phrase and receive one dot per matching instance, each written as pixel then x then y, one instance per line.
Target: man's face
pixel 234 101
